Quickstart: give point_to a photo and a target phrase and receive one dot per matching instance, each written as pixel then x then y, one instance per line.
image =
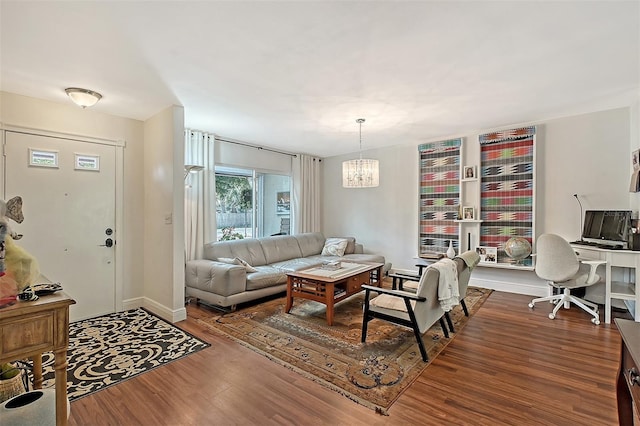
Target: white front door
pixel 69 214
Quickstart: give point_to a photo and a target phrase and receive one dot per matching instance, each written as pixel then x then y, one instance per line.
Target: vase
pixel 37 407
pixel 450 251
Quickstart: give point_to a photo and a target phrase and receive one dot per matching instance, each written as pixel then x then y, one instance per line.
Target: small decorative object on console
pixel 517 248
pixel 487 254
pixel 46 288
pixel 451 253
pixel 332 266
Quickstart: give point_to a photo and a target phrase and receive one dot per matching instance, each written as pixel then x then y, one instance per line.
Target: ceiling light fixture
pixel 360 173
pixel 83 97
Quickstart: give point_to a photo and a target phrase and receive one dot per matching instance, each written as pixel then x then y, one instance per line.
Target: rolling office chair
pixel 557 263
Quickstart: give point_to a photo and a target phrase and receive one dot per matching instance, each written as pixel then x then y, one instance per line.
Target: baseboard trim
pixel 135 303
pixel 511 287
pixel 171 315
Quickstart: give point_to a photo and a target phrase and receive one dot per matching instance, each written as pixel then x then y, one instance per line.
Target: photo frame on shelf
pixel 469 172
pixel 468 213
pixel 487 254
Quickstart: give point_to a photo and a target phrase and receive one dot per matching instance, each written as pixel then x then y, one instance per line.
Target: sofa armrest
pixel 359 249
pixel 215 277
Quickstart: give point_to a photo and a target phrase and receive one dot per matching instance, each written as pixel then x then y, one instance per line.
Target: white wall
pixel 587 154
pixel 16 110
pixel 164 214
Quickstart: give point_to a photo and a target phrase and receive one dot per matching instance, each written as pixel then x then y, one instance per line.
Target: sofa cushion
pixel 334 247
pixel 298 264
pixel 310 243
pixel 266 276
pixel 279 248
pixel 248 249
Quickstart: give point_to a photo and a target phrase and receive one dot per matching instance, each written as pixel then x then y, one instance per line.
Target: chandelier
pixel 360 173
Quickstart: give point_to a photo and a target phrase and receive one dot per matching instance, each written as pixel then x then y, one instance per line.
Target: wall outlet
pixel 168 218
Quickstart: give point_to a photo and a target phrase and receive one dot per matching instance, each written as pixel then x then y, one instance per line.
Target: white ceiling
pixel 296 75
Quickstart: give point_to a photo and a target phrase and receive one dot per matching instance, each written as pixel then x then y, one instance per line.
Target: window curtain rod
pixel 256 147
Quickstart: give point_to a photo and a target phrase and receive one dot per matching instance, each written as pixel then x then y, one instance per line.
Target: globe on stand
pixel 518 249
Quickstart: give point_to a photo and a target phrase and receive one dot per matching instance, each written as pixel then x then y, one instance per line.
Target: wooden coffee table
pixel 331 286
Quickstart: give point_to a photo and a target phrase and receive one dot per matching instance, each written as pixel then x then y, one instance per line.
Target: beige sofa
pixel 219 279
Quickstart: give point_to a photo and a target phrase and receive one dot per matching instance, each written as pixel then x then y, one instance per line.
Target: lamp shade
pixel 83 97
pixel 191 168
pixel 360 173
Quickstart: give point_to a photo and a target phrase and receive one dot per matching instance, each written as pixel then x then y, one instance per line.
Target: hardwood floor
pixel 509 366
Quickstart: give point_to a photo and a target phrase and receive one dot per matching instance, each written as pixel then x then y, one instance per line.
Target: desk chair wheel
pixel 531 305
pixel 552 316
pixel 596 321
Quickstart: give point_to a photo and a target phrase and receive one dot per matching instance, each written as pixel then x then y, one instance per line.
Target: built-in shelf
pixel 508 266
pixel 469 180
pixel 468 220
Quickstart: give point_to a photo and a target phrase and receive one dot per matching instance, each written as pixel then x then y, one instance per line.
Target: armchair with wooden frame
pixel 418 309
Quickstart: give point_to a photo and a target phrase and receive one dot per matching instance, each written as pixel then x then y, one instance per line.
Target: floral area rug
pixel 373 374
pixel 106 350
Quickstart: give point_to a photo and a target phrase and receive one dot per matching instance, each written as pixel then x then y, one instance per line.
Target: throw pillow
pixel 246 265
pixel 351 244
pixel 237 261
pixel 334 247
pixel 229 260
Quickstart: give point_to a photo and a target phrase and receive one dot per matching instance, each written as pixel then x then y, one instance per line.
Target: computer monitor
pixel 607 225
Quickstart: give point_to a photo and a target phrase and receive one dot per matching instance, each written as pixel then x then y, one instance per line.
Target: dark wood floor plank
pixel 509 366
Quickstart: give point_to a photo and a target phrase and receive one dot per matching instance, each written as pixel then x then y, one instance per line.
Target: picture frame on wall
pixel 283 202
pixel 468 213
pixel 469 172
pixel 487 254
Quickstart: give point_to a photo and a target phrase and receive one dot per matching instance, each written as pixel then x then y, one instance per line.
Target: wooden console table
pixel 27 329
pixel 628 383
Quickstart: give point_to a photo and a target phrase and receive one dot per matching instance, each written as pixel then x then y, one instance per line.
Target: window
pixel 251 204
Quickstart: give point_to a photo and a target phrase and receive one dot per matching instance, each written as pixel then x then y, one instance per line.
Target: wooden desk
pixel 27 329
pixel 628 383
pixel 614 290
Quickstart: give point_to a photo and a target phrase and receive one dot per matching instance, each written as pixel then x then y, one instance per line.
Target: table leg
pixel 60 367
pixel 636 276
pixel 289 304
pixel 37 371
pixel 329 302
pixel 607 292
pixel 379 283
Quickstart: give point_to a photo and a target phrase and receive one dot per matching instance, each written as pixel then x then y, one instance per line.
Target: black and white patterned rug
pixel 111 348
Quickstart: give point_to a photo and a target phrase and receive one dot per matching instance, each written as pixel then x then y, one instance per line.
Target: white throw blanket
pixel 448 288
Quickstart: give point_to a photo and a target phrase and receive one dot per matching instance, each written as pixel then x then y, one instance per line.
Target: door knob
pixel 107 243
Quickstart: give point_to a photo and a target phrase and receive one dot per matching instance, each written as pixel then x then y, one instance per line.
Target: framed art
pixel 87 162
pixel 43 158
pixel 468 213
pixel 469 172
pixel 487 254
pixel 283 202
